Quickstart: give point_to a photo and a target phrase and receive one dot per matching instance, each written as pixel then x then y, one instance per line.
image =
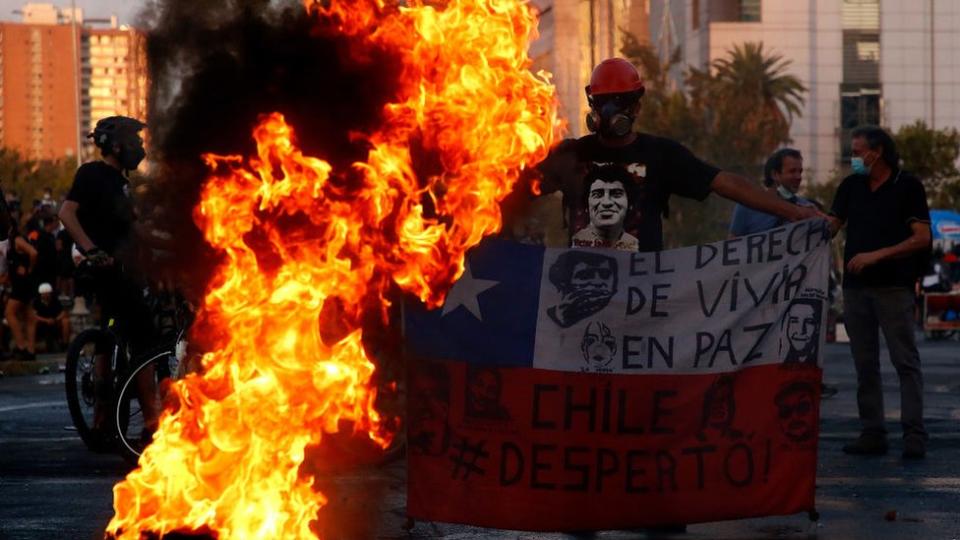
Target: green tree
pixel 749 102
pixel 28 178
pixel 932 155
pixel 732 115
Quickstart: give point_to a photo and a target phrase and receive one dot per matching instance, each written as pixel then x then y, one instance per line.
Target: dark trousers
pixel 121 297
pixel 866 311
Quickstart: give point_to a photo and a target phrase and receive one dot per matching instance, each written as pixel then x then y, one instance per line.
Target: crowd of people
pixel 37 282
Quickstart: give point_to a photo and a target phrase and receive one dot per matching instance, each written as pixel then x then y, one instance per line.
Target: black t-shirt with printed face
pixel 105 210
pixel 879 219
pixel 660 168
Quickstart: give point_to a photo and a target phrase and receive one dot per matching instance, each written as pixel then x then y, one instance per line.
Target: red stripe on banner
pixel 529 449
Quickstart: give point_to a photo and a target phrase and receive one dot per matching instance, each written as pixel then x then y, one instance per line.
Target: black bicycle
pixel 125 383
pixel 83 392
pixel 150 379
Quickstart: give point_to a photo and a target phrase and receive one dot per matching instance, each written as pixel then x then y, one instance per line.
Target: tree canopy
pixel 932 155
pixel 28 178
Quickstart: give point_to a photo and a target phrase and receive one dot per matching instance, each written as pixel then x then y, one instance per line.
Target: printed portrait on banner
pixel 585 281
pixel 800 331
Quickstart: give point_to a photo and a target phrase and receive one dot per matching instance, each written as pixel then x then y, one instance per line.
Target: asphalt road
pixel 52 488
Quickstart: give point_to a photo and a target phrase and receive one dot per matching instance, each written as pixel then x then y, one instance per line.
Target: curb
pixel 45 364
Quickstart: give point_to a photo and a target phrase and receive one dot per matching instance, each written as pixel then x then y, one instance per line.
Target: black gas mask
pixel 612 115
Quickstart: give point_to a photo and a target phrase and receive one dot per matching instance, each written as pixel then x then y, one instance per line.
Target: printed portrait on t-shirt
pixel 586 282
pixel 800 331
pixel 608 196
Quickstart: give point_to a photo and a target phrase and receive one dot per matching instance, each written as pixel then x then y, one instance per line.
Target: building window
pixel 750 10
pixel 859 106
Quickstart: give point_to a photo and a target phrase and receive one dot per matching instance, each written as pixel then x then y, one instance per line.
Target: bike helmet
pixel 120 136
pixel 119 130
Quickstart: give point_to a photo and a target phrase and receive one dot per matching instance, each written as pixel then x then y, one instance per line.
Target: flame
pixel 227 453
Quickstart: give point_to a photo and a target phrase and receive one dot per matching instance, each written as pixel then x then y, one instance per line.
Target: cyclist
pixel 99 214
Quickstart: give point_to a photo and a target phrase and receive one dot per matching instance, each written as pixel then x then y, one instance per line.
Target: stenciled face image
pixel 721 410
pixel 588 276
pixel 607 203
pixel 801 326
pixel 599 346
pixel 796 415
pixel 484 389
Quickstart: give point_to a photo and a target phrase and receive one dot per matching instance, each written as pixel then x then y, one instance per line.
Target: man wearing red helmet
pixel 660 167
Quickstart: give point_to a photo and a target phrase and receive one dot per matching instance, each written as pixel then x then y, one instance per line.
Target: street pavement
pixel 52 488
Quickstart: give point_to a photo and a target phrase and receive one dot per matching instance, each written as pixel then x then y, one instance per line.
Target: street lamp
pixel 76 78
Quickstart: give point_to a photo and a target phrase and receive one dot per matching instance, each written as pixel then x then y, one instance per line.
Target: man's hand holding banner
pixel 575 389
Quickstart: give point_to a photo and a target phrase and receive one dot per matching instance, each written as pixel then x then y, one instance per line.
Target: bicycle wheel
pixel 132 430
pixel 81 395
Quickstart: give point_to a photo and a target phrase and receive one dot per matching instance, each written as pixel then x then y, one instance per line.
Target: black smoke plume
pixel 216 66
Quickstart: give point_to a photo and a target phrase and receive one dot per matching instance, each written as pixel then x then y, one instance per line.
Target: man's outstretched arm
pixel 739 189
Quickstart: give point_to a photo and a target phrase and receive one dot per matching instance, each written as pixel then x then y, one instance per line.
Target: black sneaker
pixel 914 447
pixel 867 445
pixel 828 391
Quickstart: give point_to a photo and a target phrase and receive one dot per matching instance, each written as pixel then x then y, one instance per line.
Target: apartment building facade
pixel 38 89
pixel 113 76
pixel 888 62
pixel 57 78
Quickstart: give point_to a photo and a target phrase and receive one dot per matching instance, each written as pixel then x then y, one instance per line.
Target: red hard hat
pixel 614 76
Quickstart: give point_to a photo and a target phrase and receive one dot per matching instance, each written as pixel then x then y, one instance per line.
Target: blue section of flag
pixel 506 334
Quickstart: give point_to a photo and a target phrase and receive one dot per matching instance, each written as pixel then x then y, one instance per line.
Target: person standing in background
pixel 782 175
pixel 888 239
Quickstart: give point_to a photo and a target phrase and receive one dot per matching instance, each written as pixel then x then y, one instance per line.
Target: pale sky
pixel 126 9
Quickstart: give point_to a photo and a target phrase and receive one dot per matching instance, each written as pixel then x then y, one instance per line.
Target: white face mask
pixel 784 192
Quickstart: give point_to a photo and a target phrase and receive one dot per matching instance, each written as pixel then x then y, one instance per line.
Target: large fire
pixel 297 238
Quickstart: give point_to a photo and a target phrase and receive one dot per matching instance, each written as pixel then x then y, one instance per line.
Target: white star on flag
pixel 465 293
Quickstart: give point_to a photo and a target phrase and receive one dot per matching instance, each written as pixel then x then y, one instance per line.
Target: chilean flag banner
pixel 587 389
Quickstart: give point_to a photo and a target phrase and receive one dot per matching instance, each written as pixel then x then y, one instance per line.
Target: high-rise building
pixel 58 78
pixel 887 62
pixel 38 104
pixel 114 76
pixel 575 35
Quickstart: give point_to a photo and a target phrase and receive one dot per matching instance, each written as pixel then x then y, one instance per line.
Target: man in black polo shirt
pixel 888 236
pixel 659 167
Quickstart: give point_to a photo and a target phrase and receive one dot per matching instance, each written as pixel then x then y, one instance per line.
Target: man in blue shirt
pixel 782 174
